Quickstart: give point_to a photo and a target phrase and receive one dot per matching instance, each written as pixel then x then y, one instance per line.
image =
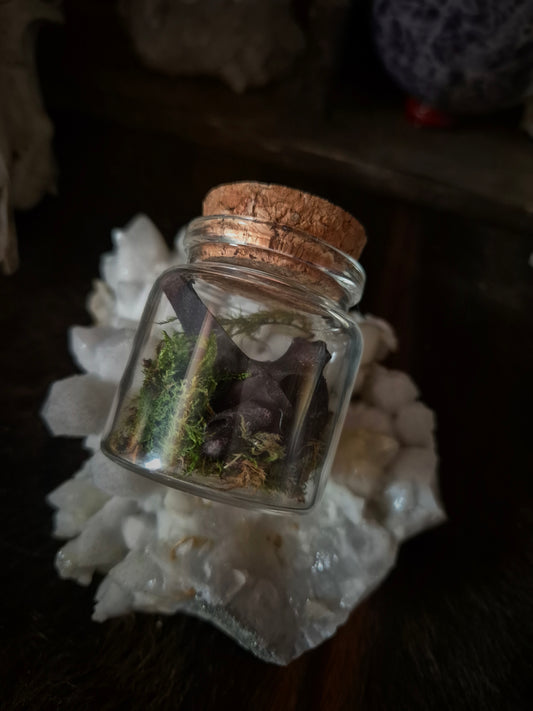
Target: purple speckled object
pixel 463 56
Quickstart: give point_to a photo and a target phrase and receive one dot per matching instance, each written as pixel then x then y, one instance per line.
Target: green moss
pixel 168 416
pixel 175 423
pixel 167 420
pixel 250 324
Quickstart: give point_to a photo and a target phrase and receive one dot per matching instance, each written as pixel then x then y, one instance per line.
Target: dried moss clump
pixel 168 418
pixel 194 415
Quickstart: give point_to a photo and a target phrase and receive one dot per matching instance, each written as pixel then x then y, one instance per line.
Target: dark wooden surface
pixel 451 627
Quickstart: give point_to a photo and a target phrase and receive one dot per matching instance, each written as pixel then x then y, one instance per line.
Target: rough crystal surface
pixel 78 405
pixel 279 585
pixel 102 350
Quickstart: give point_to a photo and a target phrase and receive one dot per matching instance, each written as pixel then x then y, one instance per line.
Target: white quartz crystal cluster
pixel 279 585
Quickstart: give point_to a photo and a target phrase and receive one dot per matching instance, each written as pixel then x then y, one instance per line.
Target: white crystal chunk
pixel 102 350
pixel 78 405
pixel 415 424
pixel 389 390
pixel 279 585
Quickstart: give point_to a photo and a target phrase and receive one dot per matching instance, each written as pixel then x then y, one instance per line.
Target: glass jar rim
pixel 273 241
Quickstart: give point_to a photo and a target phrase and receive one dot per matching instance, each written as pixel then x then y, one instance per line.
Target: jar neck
pixel 278 250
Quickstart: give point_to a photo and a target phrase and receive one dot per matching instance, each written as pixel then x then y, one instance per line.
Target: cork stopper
pixel 291 208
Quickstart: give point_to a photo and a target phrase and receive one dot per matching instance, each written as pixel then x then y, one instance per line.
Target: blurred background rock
pixel 317 84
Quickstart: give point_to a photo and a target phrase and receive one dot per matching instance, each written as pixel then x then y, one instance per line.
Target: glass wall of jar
pixel 242 367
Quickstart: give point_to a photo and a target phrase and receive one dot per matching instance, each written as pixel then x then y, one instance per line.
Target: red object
pixel 423 115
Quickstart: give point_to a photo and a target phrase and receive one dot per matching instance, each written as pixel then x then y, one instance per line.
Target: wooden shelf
pixel 482 169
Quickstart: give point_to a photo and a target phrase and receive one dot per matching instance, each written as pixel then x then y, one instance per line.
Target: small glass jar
pixel 242 367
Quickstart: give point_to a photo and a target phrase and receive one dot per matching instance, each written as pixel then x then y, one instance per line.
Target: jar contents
pixel 245 358
pixel 206 409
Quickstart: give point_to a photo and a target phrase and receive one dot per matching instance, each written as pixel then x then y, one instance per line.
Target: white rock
pixel 78 405
pixel 131 299
pixel 101 303
pixel 378 338
pixel 388 342
pixel 360 379
pixel 215 584
pixel 92 443
pixel 179 502
pixel 389 390
pixel 109 269
pixel 102 350
pixel 371 342
pixel 138 531
pixel 138 573
pixel 119 481
pixel 415 424
pixel 84 341
pixel 172 527
pixel 99 546
pixel 410 499
pixel 152 500
pixel 415 464
pixel 410 508
pixel 363 479
pixel 273 621
pixel 139 247
pixel 363 416
pixel 361 460
pixel 279 585
pixel 77 500
pixel 111 600
pixel 134 583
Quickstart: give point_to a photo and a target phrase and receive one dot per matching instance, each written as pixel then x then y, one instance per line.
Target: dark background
pixel 452 626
